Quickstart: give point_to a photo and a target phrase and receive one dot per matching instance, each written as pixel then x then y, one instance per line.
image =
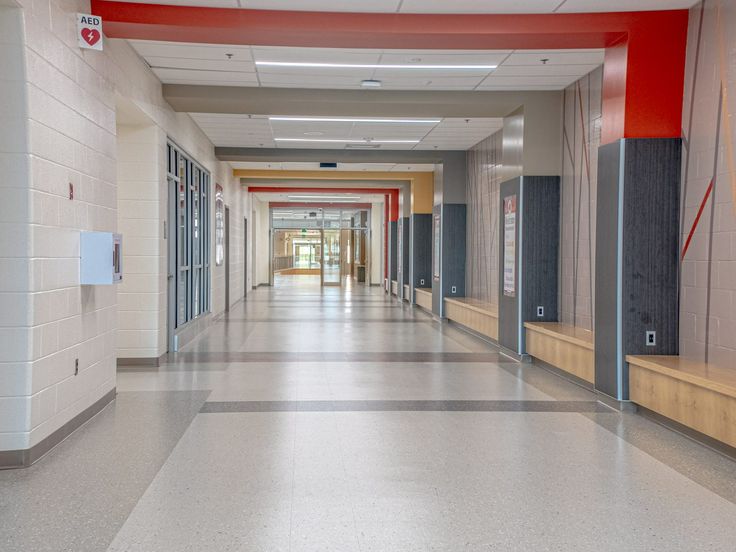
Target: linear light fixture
pixel 371 65
pixel 346 141
pixel 355 120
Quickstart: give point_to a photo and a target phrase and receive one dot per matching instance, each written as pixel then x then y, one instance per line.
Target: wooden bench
pixel 479 316
pixel 394 287
pixel 423 298
pixel 695 394
pixel 407 291
pixel 563 346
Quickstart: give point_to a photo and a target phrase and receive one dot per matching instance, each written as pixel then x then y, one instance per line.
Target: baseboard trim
pixel 10 459
pixel 692 434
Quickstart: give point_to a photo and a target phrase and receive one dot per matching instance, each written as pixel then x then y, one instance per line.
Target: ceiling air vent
pixel 328 165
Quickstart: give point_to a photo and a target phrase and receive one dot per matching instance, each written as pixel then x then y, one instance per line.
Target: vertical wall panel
pixel 581 140
pixel 484 178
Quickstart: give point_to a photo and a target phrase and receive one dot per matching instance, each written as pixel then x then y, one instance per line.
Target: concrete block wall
pixel 708 270
pixel 59 128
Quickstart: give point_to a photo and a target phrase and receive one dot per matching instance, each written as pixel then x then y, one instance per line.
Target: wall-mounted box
pixel 101 258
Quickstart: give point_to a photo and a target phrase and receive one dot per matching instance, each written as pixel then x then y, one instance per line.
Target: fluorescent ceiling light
pixel 370 65
pixel 355 120
pixel 346 141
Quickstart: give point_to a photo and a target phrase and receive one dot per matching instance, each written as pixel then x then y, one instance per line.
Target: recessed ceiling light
pixel 314 133
pixel 355 120
pixel 369 65
pixel 371 83
pixel 346 141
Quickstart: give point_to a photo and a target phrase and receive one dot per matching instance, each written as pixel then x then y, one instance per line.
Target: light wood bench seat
pixel 394 287
pixel 476 315
pixel 566 347
pixel 423 298
pixel 698 395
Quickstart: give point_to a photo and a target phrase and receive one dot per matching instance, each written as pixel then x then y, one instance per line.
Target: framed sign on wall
pixel 219 226
pixel 437 242
pixel 509 246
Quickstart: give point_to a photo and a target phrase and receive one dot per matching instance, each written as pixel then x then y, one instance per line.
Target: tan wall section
pixel 422 193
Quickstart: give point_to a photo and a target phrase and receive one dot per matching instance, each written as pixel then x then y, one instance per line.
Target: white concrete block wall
pixel 142 191
pixel 16 308
pixel 58 118
pixel 262 241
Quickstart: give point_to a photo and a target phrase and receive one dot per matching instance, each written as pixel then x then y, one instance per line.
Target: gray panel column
pixel 421 251
pixel 636 260
pixel 403 251
pixel 393 268
pixel 529 230
pixel 449 226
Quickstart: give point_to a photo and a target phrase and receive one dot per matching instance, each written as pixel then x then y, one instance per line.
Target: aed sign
pixel 89 31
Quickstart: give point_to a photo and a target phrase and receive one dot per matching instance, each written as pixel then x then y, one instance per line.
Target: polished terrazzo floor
pixel 340 419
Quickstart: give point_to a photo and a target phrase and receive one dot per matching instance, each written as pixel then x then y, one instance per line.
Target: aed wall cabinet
pixel 100 258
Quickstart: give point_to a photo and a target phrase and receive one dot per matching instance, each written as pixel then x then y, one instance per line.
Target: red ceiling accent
pixel 326 205
pixel 645 50
pixel 391 193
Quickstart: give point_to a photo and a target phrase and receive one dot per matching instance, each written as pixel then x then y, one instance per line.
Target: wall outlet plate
pixel 651 337
pixel 540 312
pixel 454 289
pixel 421 282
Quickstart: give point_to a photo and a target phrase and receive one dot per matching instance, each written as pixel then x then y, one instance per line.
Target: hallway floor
pixel 340 419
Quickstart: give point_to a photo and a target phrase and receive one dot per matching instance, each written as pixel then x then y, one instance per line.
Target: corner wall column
pixel 449 222
pixel 636 259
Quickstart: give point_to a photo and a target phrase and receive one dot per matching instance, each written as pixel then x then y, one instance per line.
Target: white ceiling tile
pixel 419 58
pixel 315 55
pixel 201 64
pixel 521 80
pixel 584 6
pixel 323 5
pixel 478 6
pixel 195 77
pixel 204 3
pixel 542 70
pixel 555 57
pixel 191 51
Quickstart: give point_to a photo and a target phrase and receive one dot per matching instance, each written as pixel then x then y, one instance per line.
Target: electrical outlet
pixel 421 282
pixel 454 289
pixel 76 366
pixel 651 338
pixel 540 312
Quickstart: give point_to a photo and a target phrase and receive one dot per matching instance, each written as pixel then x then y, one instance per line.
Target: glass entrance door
pixel 331 257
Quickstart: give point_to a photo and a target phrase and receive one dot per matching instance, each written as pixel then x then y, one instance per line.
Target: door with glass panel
pixel 331 257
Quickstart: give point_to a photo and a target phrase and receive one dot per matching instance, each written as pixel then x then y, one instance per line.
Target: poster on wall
pixel 219 226
pixel 436 254
pixel 509 246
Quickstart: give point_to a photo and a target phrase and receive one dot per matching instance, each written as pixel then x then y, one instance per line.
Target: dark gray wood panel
pixel 650 247
pixel 393 234
pixel 508 307
pixel 405 250
pixel 540 252
pixel 607 269
pixel 422 249
pixel 453 249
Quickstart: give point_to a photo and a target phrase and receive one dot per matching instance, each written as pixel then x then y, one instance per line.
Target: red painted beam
pixel 645 51
pixel 326 205
pixel 321 190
